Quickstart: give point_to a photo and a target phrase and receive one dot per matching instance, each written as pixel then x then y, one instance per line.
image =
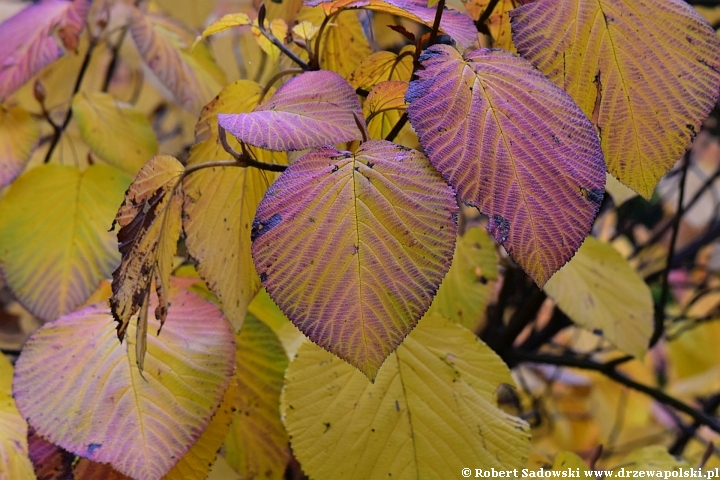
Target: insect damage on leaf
pixel 149 221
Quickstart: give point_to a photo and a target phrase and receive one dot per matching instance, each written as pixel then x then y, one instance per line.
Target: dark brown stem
pixel 283 48
pixel 318 38
pixel 112 66
pixel 436 23
pixel 481 23
pixel 68 116
pixel 665 292
pixel 398 126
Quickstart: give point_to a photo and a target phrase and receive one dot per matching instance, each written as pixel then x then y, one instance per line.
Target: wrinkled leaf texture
pixel 353 247
pixel 514 145
pixel 646 72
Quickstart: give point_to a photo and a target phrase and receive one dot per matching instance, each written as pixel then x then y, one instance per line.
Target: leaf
pixel 265 310
pixel 383 107
pixel 632 66
pixel 431 409
pixel 37 36
pixel 599 290
pixel 279 29
pixel 524 155
pixel 652 458
pixel 14 461
pixel 94 403
pixel 226 22
pixel 305 31
pixel 55 261
pixel 498 21
pixel 310 110
pixel 456 24
pixel 185 75
pixel 196 464
pixel 383 66
pixel 149 221
pixel 378 227
pixel 220 204
pixel 19 134
pixel 257 445
pixel 344 44
pixel 463 295
pixel 569 460
pixel 106 123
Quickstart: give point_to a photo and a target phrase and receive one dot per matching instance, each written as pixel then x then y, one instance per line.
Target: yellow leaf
pixel 599 290
pixel 270 314
pixel 19 134
pixel 627 64
pixel 14 461
pixel 383 66
pixel 54 243
pixel 220 205
pixel 195 465
pixel 652 458
pixel 256 445
pixel 568 460
pixel 462 296
pixel 305 31
pixel 402 426
pixel 279 29
pixel 227 22
pixel 106 123
pixel 498 21
pixel 695 350
pixel 383 108
pixel 149 221
pixel 343 44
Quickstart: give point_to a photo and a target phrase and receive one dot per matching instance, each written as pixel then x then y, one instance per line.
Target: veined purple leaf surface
pixel 514 145
pixel 37 36
pixel 456 24
pixel 311 110
pixel 353 247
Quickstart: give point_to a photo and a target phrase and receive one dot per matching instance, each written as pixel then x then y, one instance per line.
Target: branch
pixel 110 72
pixel 659 326
pixel 608 369
pixel 283 48
pixel 241 159
pixel 76 89
pixel 481 23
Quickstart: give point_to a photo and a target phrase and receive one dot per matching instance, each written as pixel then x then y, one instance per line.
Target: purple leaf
pixel 514 145
pixel 36 37
pixel 456 24
pixel 311 110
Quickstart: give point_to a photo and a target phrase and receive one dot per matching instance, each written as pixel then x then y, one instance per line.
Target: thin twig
pixel 609 371
pixel 68 116
pixel 315 65
pixel 243 159
pixel 110 72
pixel 398 126
pixel 283 48
pixel 659 326
pixel 275 78
pixel 481 23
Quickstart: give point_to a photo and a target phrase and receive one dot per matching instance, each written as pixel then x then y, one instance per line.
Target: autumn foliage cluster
pixel 246 239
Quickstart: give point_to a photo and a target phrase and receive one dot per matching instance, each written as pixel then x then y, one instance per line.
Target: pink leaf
pixel 456 24
pixel 353 247
pixel 514 145
pixel 311 110
pixel 36 37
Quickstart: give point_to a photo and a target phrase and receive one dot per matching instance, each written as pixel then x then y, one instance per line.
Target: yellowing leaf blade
pixel 96 404
pixel 599 290
pixel 14 460
pixel 401 426
pixel 106 123
pixel 647 73
pixel 257 444
pixel 54 262
pixel 19 133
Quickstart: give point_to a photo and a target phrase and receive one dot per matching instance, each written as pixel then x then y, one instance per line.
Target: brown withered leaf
pixel 149 220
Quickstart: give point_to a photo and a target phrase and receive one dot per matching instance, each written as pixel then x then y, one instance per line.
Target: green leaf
pixel 256 445
pixel 94 403
pixel 430 411
pixel 464 292
pixel 106 123
pixel 54 243
pixel 353 247
pixel 599 290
